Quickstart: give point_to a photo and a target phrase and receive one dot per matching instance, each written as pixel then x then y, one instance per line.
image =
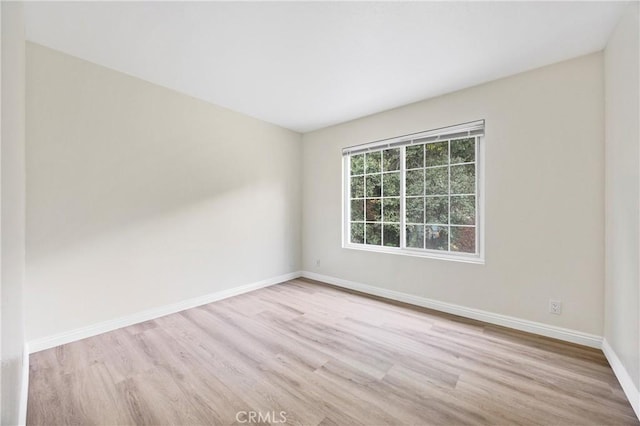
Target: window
pixel 418 194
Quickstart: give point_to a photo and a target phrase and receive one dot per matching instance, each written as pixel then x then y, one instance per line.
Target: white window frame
pixel 478 257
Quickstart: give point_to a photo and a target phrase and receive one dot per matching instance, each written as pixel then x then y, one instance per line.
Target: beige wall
pixel 544 189
pixel 12 225
pixel 139 196
pixel 622 295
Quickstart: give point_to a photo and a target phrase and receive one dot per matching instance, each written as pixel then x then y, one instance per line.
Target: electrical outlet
pixel 317 262
pixel 555 307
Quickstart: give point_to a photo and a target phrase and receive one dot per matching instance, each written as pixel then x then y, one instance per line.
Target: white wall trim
pixel 149 314
pixel 629 388
pixel 560 333
pixel 24 388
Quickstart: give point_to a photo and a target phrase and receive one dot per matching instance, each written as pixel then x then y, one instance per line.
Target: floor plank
pixel 323 356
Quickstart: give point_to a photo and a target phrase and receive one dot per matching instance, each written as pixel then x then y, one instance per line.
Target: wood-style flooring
pixel 323 356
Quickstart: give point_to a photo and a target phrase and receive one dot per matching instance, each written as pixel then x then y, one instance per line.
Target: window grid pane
pixel 374 175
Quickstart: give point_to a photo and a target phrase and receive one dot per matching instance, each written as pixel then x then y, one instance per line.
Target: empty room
pixel 320 213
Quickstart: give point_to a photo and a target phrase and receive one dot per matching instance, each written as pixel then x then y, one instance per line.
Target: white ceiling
pixel 309 65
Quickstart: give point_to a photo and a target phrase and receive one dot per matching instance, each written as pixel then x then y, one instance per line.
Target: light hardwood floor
pixel 324 356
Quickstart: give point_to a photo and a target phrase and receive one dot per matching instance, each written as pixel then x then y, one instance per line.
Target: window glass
pixel 420 197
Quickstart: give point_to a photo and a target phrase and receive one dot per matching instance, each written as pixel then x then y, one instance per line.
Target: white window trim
pixel 477 258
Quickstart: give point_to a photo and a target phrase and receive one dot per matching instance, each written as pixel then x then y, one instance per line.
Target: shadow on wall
pixel 77 199
pixel 105 150
pixel 199 249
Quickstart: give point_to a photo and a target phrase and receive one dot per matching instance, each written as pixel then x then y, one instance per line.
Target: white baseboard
pixel 24 388
pixel 110 325
pixel 629 388
pixel 560 333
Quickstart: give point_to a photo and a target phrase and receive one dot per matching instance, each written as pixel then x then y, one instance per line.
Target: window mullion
pixel 364 185
pixel 403 215
pixel 477 194
pixel 424 198
pixel 381 199
pixel 449 197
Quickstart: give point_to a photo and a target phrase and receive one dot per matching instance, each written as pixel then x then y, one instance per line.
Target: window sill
pixel 418 253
